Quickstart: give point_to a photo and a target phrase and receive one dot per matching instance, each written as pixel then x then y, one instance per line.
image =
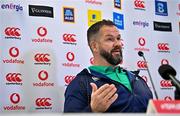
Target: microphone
pixel 141 54
pixel 167 72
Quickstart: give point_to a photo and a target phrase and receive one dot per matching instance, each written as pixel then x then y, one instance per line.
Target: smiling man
pixel 105 86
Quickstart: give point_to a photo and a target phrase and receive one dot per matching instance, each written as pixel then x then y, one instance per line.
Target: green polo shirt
pixel 115 75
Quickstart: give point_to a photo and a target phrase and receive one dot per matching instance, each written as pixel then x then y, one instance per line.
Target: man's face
pixel 110 45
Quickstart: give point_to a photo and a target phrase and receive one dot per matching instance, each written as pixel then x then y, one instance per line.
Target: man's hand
pixel 103 97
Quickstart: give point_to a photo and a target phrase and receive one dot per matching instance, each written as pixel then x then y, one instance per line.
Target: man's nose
pixel 117 43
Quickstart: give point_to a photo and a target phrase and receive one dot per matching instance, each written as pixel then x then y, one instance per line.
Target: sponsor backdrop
pixel 43 46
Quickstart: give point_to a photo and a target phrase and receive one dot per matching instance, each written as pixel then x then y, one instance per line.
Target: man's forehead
pixel 110 29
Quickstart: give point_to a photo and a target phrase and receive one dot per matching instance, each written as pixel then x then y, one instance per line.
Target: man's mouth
pixel 116 52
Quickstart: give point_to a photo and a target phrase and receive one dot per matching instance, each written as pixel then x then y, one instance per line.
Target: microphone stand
pixel 176 83
pixel 150 78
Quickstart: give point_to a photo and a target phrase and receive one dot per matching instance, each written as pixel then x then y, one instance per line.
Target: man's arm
pixel 76 97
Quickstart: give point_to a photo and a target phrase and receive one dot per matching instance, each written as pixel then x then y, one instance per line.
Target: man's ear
pixel 94 46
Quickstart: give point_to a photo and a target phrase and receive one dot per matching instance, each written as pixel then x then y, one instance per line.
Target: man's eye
pixel 110 39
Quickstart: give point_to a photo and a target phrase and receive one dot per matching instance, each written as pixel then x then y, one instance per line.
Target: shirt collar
pixel 105 69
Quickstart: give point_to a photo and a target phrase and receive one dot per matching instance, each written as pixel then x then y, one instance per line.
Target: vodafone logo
pixel 69 37
pixel 13 77
pixel 139 4
pixel 70 56
pixel 142 64
pixel 43 75
pixel 14 106
pixel 92 60
pixel 42 102
pixel 163 46
pixel 13 51
pixel 141 41
pixel 14 98
pixel 165 83
pixel 12 32
pixel 42 31
pixel 164 61
pixel 68 79
pixel 41 57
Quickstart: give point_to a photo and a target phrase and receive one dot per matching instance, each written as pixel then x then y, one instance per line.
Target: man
pixel 105 86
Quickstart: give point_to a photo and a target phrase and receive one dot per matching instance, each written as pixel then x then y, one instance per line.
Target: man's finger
pixel 108 94
pixel 102 88
pixel 94 87
pixel 107 90
pixel 112 99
